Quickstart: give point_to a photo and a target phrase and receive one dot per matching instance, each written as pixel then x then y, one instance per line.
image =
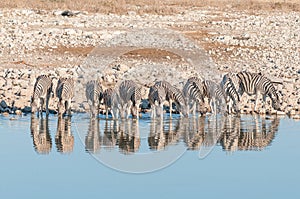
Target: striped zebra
pixel 110 102
pixel 193 93
pixel 65 93
pixel 156 97
pixel 256 84
pixel 41 94
pixel 175 95
pixel 228 84
pixel 129 98
pixel 215 96
pixel 94 95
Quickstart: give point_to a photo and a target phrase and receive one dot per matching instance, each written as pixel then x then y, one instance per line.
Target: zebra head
pixel 275 101
pixel 34 104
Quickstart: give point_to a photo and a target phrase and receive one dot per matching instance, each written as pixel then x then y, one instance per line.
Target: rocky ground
pixel 207 42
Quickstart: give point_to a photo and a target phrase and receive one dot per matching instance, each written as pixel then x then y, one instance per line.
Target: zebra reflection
pixel 129 136
pixel 93 137
pixel 39 129
pixel 163 133
pixel 64 138
pixel 193 132
pixel 111 130
pixel 157 139
pixel 256 134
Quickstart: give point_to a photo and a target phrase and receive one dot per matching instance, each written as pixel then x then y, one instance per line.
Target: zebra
pixel 41 94
pixel 94 95
pixel 255 84
pixel 215 95
pixel 65 93
pixel 228 84
pixel 193 93
pixel 129 98
pixel 110 102
pixel 156 97
pixel 174 94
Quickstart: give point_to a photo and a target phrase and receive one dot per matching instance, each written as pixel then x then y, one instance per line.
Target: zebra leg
pixel 161 109
pixel 264 103
pixel 153 111
pixel 47 104
pixel 256 101
pixel 106 112
pixel 170 107
pixel 69 107
pixel 41 106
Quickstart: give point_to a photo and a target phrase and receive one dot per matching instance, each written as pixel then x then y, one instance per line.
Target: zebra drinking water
pixel 110 101
pixel 93 93
pixel 156 97
pixel 129 98
pixel 215 96
pixel 193 93
pixel 173 94
pixel 65 93
pixel 255 84
pixel 41 94
pixel 230 92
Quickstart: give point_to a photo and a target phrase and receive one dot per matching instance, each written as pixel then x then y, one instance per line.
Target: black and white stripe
pixel 94 94
pixel 255 84
pixel 65 93
pixel 110 102
pixel 129 98
pixel 173 94
pixel 215 95
pixel 157 97
pixel 230 92
pixel 193 93
pixel 41 94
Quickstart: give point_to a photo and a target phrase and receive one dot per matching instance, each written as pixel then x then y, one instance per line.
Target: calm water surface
pixel 206 157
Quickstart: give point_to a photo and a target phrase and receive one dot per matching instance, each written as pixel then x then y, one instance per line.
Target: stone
pixel 3 104
pixel 26 109
pixel 18 112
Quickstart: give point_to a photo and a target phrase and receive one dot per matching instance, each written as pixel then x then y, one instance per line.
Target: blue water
pixel 271 171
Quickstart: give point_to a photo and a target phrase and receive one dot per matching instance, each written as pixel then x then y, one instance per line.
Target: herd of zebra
pixel 125 98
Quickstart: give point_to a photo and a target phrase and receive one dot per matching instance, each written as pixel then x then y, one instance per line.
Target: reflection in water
pixel 111 130
pixel 233 133
pixel 129 136
pixel 93 137
pixel 249 135
pixel 64 138
pixel 163 133
pixel 156 139
pixel 39 129
pixel 193 130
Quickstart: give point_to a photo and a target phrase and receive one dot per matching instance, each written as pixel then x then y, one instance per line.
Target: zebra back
pixel 65 88
pixel 42 87
pixel 229 88
pixel 94 91
pixel 129 91
pixel 107 97
pixel 193 89
pixel 156 94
